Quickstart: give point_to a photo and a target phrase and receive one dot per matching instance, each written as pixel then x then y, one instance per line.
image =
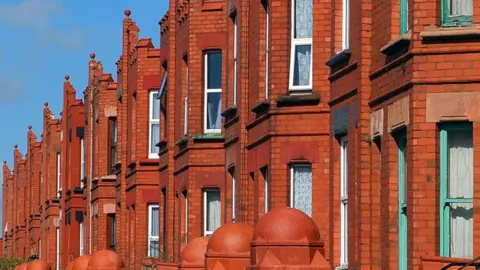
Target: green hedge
pixel 9 264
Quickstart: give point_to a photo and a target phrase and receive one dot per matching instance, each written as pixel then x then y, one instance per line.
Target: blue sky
pixel 42 40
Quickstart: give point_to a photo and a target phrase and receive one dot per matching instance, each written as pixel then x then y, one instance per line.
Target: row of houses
pixel 361 114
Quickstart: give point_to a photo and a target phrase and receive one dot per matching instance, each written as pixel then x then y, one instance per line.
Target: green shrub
pixel 9 264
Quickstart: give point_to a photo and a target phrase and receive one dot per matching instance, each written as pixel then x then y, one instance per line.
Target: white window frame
pixel 266 190
pixel 234 194
pixel 150 236
pixel 57 253
pixel 294 43
pixel 267 46
pixel 151 122
pixel 185 104
pixel 205 196
pixel 292 180
pixel 59 172
pixel 186 216
pixel 235 58
pixel 206 92
pixel 345 24
pixel 343 201
pixel 82 162
pixel 81 240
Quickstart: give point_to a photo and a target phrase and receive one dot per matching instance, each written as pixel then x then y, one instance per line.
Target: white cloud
pixel 38 15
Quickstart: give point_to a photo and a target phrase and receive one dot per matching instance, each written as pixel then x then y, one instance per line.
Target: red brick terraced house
pixel 361 114
pixel 73 171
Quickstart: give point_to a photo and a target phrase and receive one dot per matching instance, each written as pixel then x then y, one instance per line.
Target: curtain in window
pixel 154 221
pixel 154 248
pixel 155 138
pixel 460 7
pixel 214 110
pixel 155 106
pixel 302 190
pixel 461 186
pixel 213 210
pixel 303 18
pixel 302 67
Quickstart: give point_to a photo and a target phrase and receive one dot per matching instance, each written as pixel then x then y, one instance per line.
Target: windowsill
pixel 161 144
pixel 261 107
pixel 393 45
pixel 78 190
pixel 214 137
pixel 230 112
pixel 153 156
pixel 340 57
pixel 182 141
pixel 298 99
pixel 447 33
pixel 342 267
pixel 213 6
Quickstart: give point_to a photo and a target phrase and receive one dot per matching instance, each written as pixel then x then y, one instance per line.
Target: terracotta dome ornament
pixel 229 247
pixel 193 255
pixel 81 263
pixel 22 266
pixel 38 265
pixel 287 238
pixel 105 260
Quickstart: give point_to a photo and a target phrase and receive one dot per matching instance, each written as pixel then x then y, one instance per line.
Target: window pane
pixel 302 189
pixel 114 131
pixel 155 106
pixel 461 230
pixel 154 222
pixel 460 7
pixel 214 110
pixel 302 65
pixel 303 18
pixel 155 137
pixel 214 70
pixel 460 164
pixel 213 210
pixel 154 248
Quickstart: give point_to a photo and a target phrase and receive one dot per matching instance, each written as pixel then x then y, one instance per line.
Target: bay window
pixel 301 45
pixel 213 92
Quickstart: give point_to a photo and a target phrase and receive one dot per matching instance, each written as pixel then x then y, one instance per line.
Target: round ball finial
pixel 127 12
pixel 5 162
pixel 67 77
pixel 15 146
pixel 29 127
pixel 46 104
pixel 92 55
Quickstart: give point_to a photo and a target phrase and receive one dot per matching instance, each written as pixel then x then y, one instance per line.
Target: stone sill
pixel 262 106
pixel 450 33
pixel 392 46
pixel 208 138
pixel 182 141
pixel 298 99
pixel 338 58
pixel 230 112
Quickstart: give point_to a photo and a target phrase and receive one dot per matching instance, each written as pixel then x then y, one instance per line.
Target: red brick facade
pixel 351 117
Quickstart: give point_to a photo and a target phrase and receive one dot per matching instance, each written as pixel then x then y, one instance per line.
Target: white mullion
pixel 59 172
pixel 186 215
pixel 266 197
pixel 185 104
